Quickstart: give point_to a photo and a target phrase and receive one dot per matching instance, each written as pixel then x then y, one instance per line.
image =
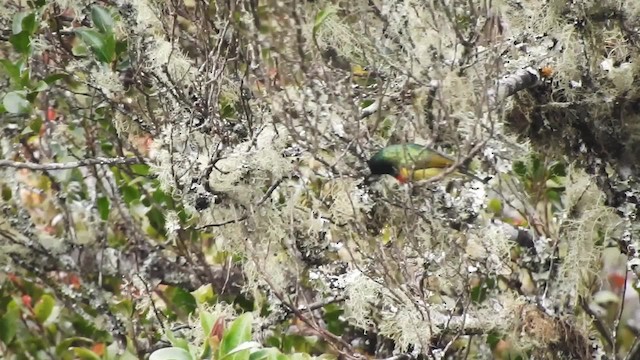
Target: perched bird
pixel 412 162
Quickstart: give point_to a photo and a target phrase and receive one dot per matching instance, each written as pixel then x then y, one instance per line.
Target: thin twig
pixel 635 350
pixel 245 216
pixel 616 322
pixel 600 326
pixel 71 164
pixel 340 345
pixel 399 357
pixel 322 303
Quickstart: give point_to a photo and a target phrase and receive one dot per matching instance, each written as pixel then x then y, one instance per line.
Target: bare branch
pixel 72 164
pixel 599 324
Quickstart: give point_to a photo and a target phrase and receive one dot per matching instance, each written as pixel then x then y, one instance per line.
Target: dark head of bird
pixel 382 166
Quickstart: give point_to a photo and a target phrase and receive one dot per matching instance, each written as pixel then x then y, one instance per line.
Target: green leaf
pixel 24 25
pixel 238 333
pixel 29 23
pixel 85 354
pixel 31 96
pixel 106 146
pixel 130 193
pixel 332 316
pixel 366 103
pixel 156 219
pixel 44 308
pixel 6 193
pixel 79 49
pixel 537 167
pixel 103 208
pixel 36 124
pixel 26 131
pixel 493 338
pixel 16 103
pixel 25 77
pixel 557 169
pixel 179 342
pixel 273 341
pixel 9 324
pixel 520 168
pixel 182 299
pixel 103 45
pixel 494 206
pixel 479 293
pixel 91 37
pixel 140 169
pixel 53 78
pixel 109 48
pixel 21 42
pixel 203 294
pixel 171 353
pixel 227 111
pixel 64 345
pixel 13 70
pixel 121 47
pixel 207 321
pixel 555 182
pixel 554 198
pixel 24 22
pixel 160 196
pixel 297 343
pixel 40 86
pixel 242 351
pixel 102 19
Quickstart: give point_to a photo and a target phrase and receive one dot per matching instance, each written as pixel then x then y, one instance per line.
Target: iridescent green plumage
pixel 410 162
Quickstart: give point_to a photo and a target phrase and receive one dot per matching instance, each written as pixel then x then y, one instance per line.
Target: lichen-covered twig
pixel 511 84
pixel 71 164
pixel 600 326
pixel 505 87
pixel 245 216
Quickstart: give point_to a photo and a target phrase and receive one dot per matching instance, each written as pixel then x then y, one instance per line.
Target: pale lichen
pixel 106 80
pixel 581 234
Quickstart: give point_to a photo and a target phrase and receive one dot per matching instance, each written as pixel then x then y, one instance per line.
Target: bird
pixel 413 162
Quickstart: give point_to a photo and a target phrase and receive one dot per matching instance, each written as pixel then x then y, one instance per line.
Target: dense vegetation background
pixel 187 179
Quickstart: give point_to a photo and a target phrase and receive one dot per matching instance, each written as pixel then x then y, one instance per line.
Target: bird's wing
pixel 421 157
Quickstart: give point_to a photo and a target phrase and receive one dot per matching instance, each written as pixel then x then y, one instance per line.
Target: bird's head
pixel 382 167
pixel 386 167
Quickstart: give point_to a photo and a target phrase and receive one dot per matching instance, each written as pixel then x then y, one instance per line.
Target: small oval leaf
pixel 15 102
pixel 44 308
pixel 103 45
pixel 238 333
pixel 102 19
pixel 171 353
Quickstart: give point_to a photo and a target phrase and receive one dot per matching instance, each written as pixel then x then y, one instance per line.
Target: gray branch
pixel 511 84
pixel 71 164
